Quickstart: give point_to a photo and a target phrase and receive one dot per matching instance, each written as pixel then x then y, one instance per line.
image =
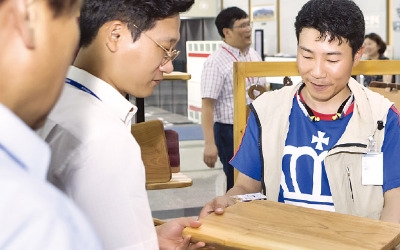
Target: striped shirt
pixel 217 79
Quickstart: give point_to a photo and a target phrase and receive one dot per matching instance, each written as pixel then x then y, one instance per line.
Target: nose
pixel 318 70
pixel 167 68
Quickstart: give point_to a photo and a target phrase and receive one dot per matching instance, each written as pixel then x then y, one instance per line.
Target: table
pixel 272 225
pixel 178 180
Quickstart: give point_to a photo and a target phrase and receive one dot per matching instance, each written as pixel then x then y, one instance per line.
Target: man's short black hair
pixel 340 20
pixel 142 13
pixel 227 17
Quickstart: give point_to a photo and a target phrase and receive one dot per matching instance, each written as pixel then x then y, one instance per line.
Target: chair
pixel 389 90
pixel 150 136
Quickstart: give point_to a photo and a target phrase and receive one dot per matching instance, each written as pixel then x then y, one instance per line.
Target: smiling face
pixel 135 68
pixel 325 68
pixel 371 49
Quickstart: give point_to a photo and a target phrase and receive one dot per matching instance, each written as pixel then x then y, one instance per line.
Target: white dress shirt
pixel 34 214
pixel 97 162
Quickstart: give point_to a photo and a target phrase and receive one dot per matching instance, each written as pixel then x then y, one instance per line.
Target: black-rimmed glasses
pixel 169 55
pixel 244 25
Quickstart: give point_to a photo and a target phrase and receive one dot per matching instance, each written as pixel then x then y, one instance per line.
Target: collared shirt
pixel 97 162
pixel 34 214
pixel 217 79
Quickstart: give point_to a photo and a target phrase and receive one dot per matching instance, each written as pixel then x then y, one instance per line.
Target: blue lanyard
pixel 80 87
pixel 13 157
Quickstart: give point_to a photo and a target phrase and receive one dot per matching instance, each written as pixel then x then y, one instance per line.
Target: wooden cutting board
pixel 272 225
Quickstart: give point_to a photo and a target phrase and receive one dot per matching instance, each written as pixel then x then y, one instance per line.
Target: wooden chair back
pixel 243 70
pixel 388 90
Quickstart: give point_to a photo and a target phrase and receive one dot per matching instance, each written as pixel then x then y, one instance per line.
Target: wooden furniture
pixel 159 177
pixel 178 180
pixel 389 90
pixel 242 70
pixel 272 225
pixel 150 136
pixel 175 75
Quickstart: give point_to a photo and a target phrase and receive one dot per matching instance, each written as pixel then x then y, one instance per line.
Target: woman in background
pixel 374 47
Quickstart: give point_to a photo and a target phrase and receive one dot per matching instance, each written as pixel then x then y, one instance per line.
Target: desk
pixel 178 180
pixel 272 225
pixel 175 75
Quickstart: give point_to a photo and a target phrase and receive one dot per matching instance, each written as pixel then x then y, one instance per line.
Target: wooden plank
pixel 281 68
pixel 178 180
pixel 273 225
pixel 176 75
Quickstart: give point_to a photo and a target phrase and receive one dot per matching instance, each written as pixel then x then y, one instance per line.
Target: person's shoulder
pixel 34 207
pixel 84 113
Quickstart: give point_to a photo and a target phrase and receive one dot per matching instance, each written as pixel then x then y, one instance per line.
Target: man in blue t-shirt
pixel 332 145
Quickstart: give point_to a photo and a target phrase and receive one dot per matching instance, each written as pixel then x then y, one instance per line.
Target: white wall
pixel 374 13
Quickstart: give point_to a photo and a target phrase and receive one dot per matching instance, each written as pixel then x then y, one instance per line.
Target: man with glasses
pixel 125 48
pixel 235 28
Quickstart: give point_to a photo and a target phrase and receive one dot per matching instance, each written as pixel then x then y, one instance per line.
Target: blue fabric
pixel 306 145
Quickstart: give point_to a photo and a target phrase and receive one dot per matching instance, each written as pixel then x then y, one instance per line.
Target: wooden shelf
pixel 176 75
pixel 178 180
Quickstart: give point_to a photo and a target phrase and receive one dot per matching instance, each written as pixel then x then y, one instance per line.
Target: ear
pixel 226 32
pixel 358 56
pixel 113 34
pixel 25 23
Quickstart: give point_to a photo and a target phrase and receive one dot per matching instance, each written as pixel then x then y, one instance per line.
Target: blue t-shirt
pixel 303 180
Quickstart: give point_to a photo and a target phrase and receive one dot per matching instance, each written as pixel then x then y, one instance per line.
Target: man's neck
pixel 243 50
pixel 325 106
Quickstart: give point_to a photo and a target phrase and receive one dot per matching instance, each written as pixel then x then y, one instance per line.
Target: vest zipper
pixel 358 145
pixel 351 187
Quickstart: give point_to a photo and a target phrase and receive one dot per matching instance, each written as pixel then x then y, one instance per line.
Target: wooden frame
pixel 242 70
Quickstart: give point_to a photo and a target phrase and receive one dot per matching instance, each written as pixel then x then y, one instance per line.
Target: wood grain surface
pixel 273 225
pixel 150 136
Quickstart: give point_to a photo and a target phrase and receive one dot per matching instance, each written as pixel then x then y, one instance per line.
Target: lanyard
pixel 234 57
pixel 12 156
pixel 80 87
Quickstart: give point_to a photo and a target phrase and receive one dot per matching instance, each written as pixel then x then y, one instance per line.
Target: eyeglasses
pixel 169 55
pixel 244 25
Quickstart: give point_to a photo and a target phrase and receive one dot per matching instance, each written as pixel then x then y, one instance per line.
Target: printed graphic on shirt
pixel 304 181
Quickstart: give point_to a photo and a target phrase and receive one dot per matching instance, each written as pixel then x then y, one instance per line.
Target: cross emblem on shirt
pixel 319 140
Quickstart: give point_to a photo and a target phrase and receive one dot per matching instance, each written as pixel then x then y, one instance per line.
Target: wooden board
pixel 150 136
pixel 273 225
pixel 178 180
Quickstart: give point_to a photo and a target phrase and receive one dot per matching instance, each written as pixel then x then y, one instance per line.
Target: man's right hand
pixel 210 155
pixel 217 205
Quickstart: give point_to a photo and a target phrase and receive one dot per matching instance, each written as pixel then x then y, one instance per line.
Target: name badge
pixel 372 169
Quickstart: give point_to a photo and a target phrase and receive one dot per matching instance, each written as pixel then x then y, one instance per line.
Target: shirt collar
pixel 23 145
pixel 234 50
pixel 110 97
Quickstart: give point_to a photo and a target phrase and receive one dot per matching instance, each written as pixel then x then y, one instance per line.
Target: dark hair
pixel 142 13
pixel 61 6
pixel 227 17
pixel 381 44
pixel 339 19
